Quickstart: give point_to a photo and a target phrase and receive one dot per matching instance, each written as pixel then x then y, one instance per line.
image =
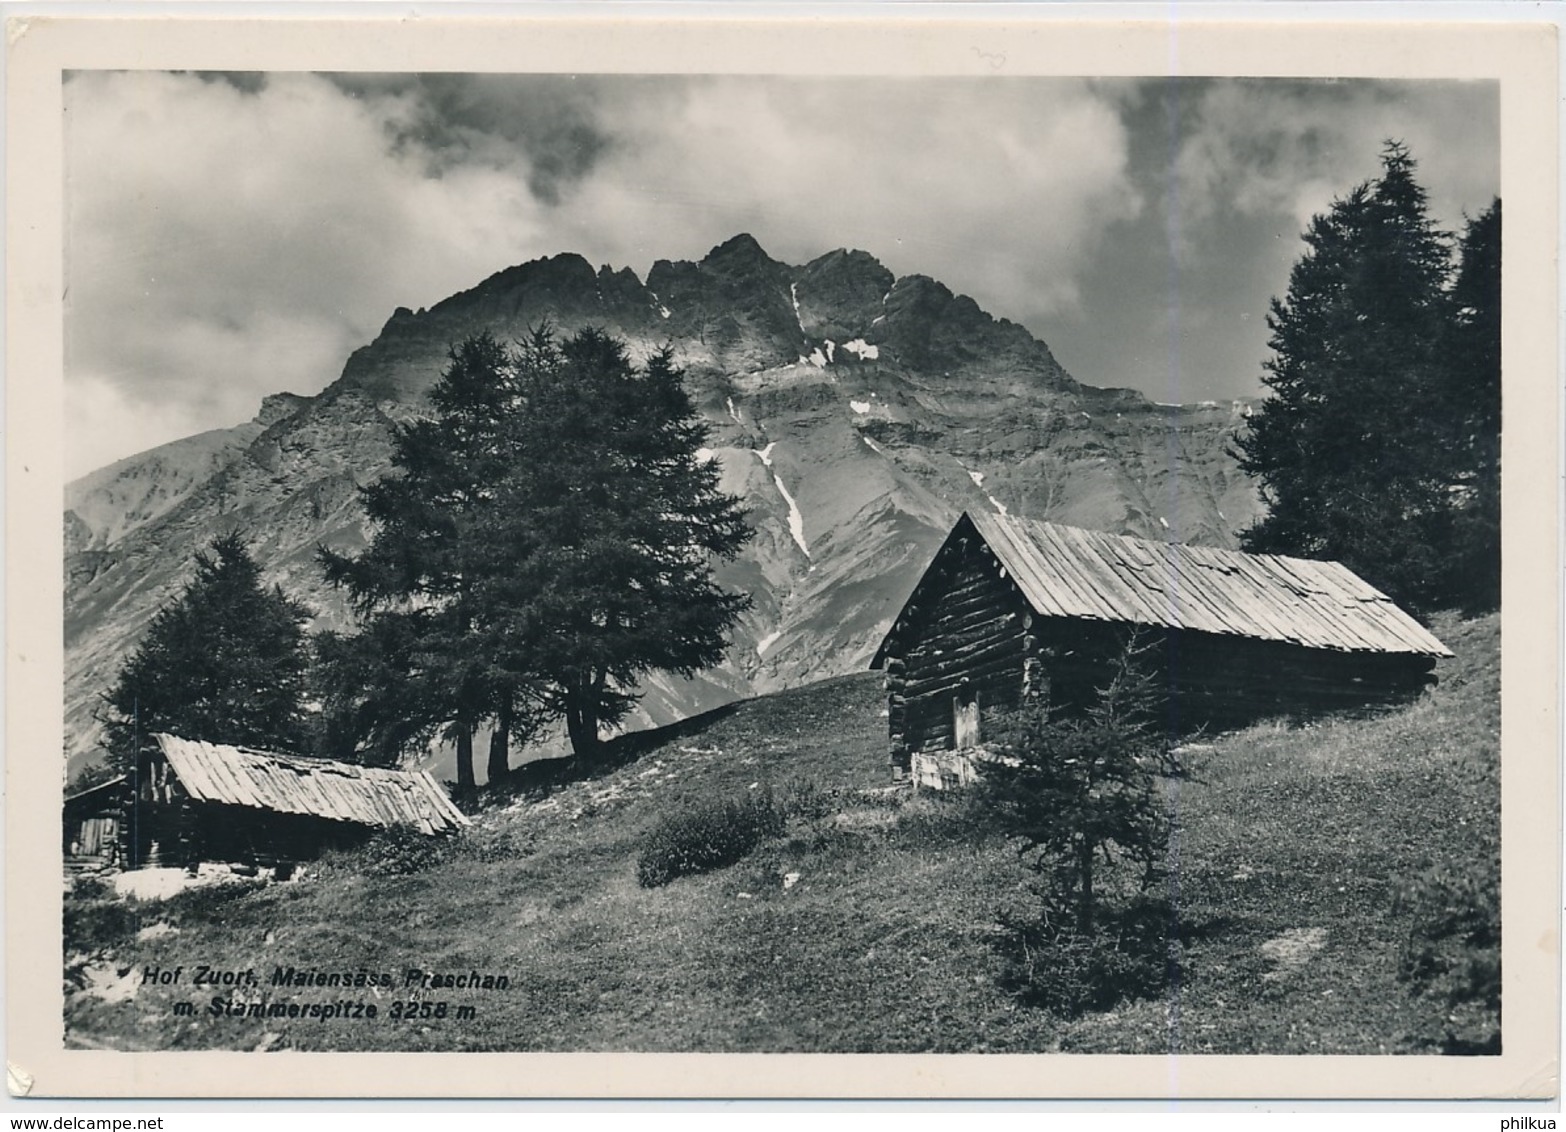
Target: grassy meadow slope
pixel 867 926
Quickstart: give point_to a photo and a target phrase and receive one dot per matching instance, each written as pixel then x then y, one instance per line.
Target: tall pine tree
pixel 1354 450
pixel 226 662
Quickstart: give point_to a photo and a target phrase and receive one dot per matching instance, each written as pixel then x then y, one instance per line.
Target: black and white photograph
pixel 665 562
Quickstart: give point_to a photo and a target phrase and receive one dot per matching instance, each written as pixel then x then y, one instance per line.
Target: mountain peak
pixel 853 410
pixel 840 294
pixel 567 272
pixel 742 248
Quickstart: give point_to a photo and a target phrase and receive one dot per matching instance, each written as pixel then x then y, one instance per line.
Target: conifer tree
pixel 1079 795
pixel 1080 791
pixel 1355 449
pixel 422 569
pixel 547 538
pixel 226 662
pixel 606 531
pixel 1474 398
pixel 371 690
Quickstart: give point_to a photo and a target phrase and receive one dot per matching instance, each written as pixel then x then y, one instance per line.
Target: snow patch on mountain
pixel 977 478
pixel 859 406
pixel 796 520
pixel 862 349
pixel 793 294
pixel 874 447
pixel 767 642
pixel 831 350
pixel 733 412
pixel 999 506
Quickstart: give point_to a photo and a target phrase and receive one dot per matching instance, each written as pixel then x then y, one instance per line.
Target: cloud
pixel 458 120
pixel 227 240
pixel 231 235
pixel 1175 300
pixel 100 413
pixel 1000 188
pixel 1288 149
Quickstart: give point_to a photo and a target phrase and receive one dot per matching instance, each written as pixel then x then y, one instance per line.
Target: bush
pixel 399 852
pixel 1453 954
pixel 709 835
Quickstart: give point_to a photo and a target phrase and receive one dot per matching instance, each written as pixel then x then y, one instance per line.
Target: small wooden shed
pixel 194 801
pixel 91 833
pixel 1011 609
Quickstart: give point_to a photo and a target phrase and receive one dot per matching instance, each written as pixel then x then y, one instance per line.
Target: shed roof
pixel 289 784
pixel 1070 572
pixel 103 792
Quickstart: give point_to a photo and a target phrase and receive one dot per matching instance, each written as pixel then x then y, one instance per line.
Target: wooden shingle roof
pixel 288 784
pixel 1070 572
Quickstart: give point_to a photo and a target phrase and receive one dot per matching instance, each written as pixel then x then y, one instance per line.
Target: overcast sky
pixel 233 236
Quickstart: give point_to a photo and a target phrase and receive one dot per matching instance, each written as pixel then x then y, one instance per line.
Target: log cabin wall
pixel 1226 681
pixel 971 633
pixel 92 827
pixel 1234 638
pixel 1231 681
pixel 261 837
pixel 966 642
pixel 160 825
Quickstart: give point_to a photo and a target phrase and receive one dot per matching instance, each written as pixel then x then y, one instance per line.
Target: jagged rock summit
pixel 857 413
pixel 737 310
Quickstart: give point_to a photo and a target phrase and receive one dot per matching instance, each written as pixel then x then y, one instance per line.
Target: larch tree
pixel 417 584
pixel 546 539
pixel 1079 795
pixel 608 526
pixel 373 700
pixel 225 662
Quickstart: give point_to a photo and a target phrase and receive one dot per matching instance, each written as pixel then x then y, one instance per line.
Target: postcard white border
pixel 1522 56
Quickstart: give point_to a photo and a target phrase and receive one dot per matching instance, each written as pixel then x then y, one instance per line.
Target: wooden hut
pixel 92 834
pixel 1012 609
pixel 195 801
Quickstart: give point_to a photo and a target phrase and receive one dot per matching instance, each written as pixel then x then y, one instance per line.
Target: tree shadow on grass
pixel 1129 951
pixel 544 776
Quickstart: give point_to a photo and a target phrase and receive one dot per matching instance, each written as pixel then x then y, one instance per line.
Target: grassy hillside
pixel 867 926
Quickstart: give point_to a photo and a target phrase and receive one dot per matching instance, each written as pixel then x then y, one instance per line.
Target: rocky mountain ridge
pixel 857 413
